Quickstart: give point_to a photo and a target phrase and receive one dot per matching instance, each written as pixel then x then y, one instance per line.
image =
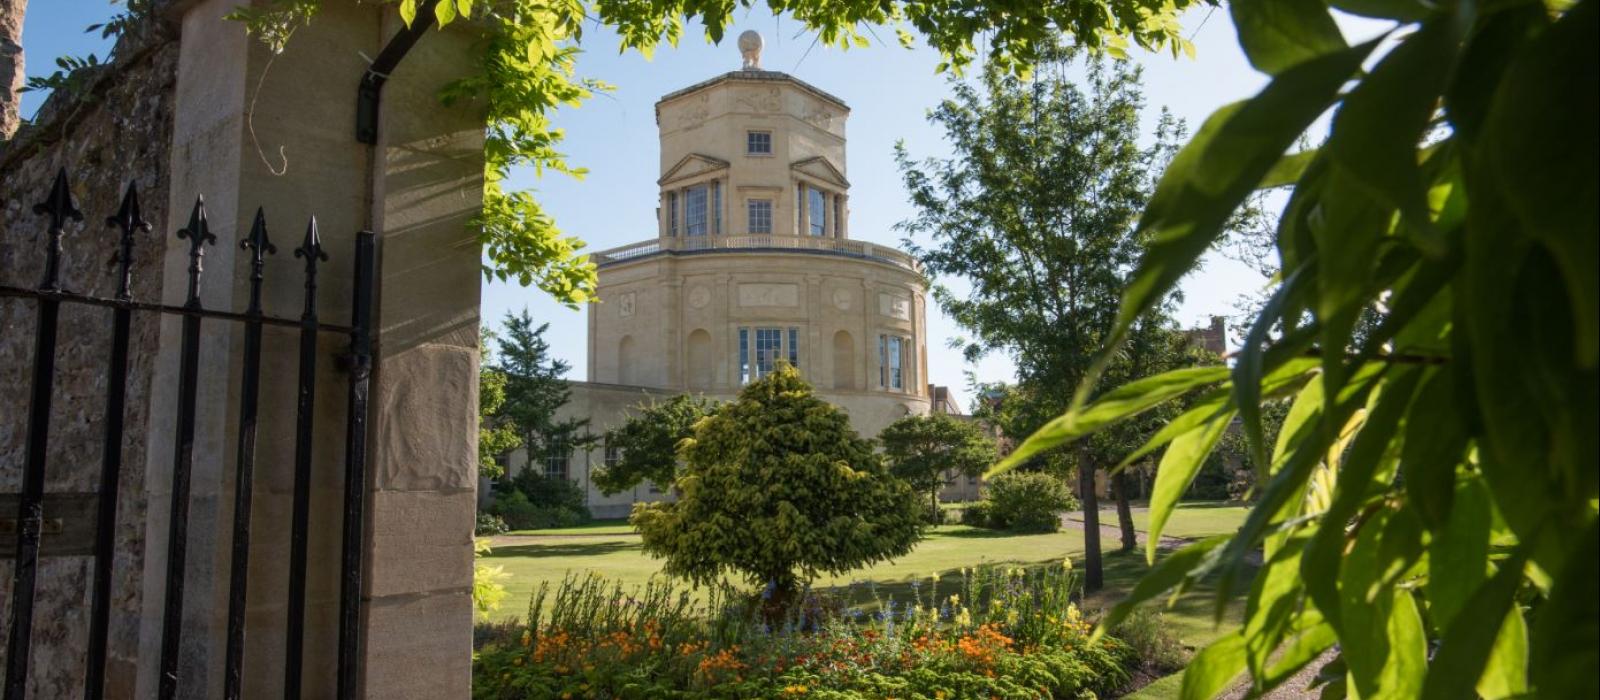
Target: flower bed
pixel 993 633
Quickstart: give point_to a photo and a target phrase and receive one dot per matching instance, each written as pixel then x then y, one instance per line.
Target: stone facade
pixel 191 105
pixel 752 265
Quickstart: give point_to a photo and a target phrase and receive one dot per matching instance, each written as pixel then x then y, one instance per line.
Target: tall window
pixel 556 456
pixel 716 207
pixel 613 455
pixel 896 376
pixel 892 361
pixel 695 209
pixel 817 216
pixel 744 355
pixel 672 213
pixel 771 346
pixel 758 216
pixel 758 142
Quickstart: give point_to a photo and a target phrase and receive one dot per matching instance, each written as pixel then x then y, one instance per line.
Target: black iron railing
pixel 49 296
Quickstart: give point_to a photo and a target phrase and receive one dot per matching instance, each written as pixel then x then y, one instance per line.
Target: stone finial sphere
pixel 750 43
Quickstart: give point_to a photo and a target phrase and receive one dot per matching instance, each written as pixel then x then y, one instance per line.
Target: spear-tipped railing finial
pixel 129 218
pixel 311 249
pixel 259 246
pixel 59 207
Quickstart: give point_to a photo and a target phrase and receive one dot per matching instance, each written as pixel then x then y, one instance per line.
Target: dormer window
pixel 758 143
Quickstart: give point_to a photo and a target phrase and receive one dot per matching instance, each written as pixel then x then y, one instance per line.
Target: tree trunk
pixel 1093 573
pixel 1119 483
pixel 11 71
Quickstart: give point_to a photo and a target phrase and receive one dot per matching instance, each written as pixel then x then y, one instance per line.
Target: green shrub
pixel 1026 502
pixel 976 514
pixel 489 524
pixel 518 512
pixel 777 488
pixel 1152 642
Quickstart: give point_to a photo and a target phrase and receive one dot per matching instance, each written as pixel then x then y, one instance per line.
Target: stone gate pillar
pixel 256 130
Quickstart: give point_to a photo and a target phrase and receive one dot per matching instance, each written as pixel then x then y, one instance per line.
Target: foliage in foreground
pixel 1021 502
pixel 777 487
pixel 1430 504
pixel 998 633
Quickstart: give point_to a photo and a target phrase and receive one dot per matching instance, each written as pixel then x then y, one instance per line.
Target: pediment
pixel 819 168
pixel 692 165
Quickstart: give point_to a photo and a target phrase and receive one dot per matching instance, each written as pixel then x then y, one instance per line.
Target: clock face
pixel 841 299
pixel 699 297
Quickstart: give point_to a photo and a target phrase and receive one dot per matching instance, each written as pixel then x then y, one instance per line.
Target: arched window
pixel 844 361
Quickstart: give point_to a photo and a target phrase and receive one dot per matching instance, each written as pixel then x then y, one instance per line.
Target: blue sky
pixel 888 88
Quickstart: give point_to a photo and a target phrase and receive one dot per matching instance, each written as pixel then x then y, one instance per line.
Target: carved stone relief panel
pixel 625 305
pixel 894 306
pixel 699 296
pixel 764 294
pixel 761 99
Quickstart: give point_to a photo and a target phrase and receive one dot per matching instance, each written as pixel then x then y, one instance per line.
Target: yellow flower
pixel 1066 564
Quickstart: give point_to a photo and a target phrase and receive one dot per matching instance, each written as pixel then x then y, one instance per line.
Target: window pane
pixel 694 211
pixel 818 216
pixel 794 347
pixel 744 356
pixel 758 142
pixel 555 460
pixel 672 213
pixel 769 345
pixel 759 216
pixel 896 380
pixel 716 207
pixel 883 360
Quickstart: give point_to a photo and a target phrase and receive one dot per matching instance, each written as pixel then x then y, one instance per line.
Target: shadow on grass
pixel 980 534
pixel 578 549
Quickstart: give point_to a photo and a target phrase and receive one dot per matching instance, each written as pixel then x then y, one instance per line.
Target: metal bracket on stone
pixel 370 92
pixel 68 527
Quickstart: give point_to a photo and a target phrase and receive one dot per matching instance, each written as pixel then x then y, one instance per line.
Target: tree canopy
pixel 534 388
pixel 778 488
pixel 922 450
pixel 646 444
pixel 528 68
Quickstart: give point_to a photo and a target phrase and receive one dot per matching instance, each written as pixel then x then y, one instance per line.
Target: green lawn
pixel 613 550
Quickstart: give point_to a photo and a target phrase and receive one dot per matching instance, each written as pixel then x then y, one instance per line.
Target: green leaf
pixel 1287 170
pixel 1506 673
pixel 408 11
pixel 1458 555
pixel 1377 130
pixel 1117 405
pixel 1179 464
pixel 1214 668
pixel 465 8
pixel 1166 574
pixel 1207 179
pixel 1470 638
pixel 1564 649
pixel 1279 34
pixel 1407 665
pixel 1371 447
pixel 1403 10
pixel 445 12
pixel 1545 114
pixel 1250 364
pixel 1434 447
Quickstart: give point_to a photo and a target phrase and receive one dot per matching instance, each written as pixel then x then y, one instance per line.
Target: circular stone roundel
pixel 841 299
pixel 699 297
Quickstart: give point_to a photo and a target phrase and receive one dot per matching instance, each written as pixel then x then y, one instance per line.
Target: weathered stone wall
pixel 116 131
pixel 11 70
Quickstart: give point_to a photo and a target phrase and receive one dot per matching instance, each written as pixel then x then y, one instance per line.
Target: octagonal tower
pixel 752 263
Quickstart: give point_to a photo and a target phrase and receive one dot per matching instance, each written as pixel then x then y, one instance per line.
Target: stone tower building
pixel 752 265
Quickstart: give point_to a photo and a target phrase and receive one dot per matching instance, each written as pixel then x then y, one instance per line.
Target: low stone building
pixel 752 265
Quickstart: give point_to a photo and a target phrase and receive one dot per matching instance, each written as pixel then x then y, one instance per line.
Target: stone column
pixel 278 132
pixel 11 71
